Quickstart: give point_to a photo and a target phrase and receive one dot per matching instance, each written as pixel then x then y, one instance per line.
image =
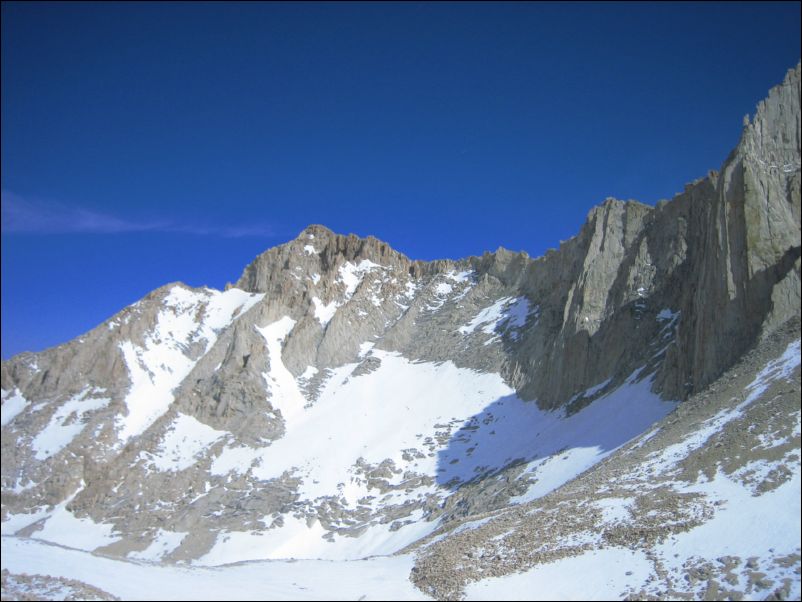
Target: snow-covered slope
pixel 704 505
pixel 370 459
pixel 373 579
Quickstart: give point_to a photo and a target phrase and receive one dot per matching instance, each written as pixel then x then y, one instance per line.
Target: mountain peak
pixel 315 230
pixel 317 249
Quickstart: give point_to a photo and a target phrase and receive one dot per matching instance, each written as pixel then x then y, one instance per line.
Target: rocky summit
pixel 625 408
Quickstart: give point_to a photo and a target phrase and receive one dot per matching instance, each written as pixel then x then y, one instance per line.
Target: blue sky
pixel 147 143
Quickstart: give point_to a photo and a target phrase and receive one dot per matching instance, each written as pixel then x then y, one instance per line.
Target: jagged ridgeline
pixel 341 400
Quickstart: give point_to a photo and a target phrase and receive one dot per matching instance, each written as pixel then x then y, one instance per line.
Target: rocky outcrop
pixel 746 252
pixel 723 256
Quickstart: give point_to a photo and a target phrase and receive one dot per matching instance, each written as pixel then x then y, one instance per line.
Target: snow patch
pixel 186 438
pixel 666 315
pixel 604 575
pixel 13 404
pixel 283 392
pixel 16 522
pixel 588 436
pixel 351 275
pixel 780 368
pixel 66 423
pixel 740 526
pixel 467 276
pixel 308 373
pixel 508 313
pixel 373 579
pixel 324 313
pixel 64 528
pixel 160 364
pixel 614 509
pixel 162 545
pixel 234 459
pixel 443 289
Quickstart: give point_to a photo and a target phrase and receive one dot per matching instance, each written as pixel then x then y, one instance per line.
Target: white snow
pixel 666 315
pixel 374 417
pixel 614 509
pixel 744 525
pixel 160 365
pixel 740 528
pixel 400 406
pixel 234 459
pixel 351 275
pixel 780 368
pixel 315 278
pixel 441 292
pixel 19 488
pixel 384 578
pixel 310 250
pixel 66 423
pixel 596 388
pixel 283 392
pixel 644 438
pixel 186 438
pixel 13 404
pixel 466 526
pixel 508 313
pixel 308 373
pixel 64 528
pixel 443 288
pixel 154 371
pixel 387 408
pixel 517 312
pixel 488 318
pixel 164 543
pixel 460 276
pixel 376 300
pixel 324 313
pixel 590 391
pixel 596 575
pixel 223 307
pixel 588 436
pixel 302 540
pixel 293 540
pixel 15 522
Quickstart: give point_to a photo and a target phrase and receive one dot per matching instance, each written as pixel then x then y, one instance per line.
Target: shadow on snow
pixel 557 447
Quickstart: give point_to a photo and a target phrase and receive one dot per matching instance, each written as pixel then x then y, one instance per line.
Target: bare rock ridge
pixel 171 424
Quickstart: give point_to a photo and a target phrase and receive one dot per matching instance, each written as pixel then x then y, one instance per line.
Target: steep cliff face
pixel 720 262
pixel 168 417
pixel 745 243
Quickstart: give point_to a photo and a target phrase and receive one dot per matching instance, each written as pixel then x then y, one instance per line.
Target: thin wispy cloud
pixel 32 216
